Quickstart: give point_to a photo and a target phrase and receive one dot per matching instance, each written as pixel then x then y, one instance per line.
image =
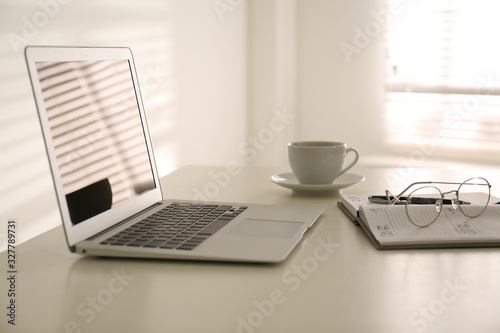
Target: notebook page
pixel 391 224
pixel 353 202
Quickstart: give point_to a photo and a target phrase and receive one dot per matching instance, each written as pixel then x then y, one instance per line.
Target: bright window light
pixel 443 74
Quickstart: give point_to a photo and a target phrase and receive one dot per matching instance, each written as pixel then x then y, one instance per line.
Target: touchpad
pixel 266 228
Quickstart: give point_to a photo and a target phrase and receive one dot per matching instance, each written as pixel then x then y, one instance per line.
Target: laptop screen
pixel 96 129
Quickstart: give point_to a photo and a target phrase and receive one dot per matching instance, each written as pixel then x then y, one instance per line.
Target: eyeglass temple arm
pixel 396 197
pixel 450 183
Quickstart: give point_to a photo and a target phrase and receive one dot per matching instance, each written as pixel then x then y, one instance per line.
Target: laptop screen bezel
pixel 76 233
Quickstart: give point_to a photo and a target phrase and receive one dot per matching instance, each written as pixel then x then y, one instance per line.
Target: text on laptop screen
pixel 96 130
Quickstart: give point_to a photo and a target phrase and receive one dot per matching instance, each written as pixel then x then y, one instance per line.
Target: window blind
pixel 443 86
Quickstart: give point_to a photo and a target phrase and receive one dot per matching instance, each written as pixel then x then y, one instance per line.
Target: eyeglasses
pixel 471 198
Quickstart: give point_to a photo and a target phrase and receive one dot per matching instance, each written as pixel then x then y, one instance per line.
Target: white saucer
pixel 288 180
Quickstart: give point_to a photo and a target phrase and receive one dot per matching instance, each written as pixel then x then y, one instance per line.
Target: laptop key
pixel 137 243
pixel 155 243
pixel 168 246
pixel 213 227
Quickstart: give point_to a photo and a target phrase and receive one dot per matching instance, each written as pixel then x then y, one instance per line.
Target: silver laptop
pixel 105 176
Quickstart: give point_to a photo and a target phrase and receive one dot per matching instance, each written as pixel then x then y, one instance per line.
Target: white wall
pixel 340 98
pixel 296 62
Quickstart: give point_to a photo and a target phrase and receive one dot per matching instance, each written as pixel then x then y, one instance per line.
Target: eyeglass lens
pixel 473 195
pixel 418 202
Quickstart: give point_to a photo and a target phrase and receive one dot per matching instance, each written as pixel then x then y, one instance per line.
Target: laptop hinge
pixel 116 225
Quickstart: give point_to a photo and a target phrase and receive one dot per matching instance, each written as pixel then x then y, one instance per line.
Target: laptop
pixel 105 176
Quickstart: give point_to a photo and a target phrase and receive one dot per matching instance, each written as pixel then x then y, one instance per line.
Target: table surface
pixel 334 281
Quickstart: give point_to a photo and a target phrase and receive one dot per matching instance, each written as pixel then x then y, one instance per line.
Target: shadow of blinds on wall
pixel 93 117
pixel 443 77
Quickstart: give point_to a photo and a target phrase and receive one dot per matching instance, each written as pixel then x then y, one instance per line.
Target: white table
pixel 335 280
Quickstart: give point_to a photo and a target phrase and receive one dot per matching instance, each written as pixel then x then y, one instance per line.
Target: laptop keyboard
pixel 180 226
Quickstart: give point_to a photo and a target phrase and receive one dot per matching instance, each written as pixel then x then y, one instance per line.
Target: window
pixel 443 82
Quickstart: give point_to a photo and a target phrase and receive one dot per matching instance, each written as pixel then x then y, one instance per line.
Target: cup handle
pixel 356 158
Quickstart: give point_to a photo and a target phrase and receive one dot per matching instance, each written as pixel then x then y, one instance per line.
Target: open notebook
pixel 388 226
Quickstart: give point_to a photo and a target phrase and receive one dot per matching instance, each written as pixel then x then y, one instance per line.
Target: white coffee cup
pixel 319 162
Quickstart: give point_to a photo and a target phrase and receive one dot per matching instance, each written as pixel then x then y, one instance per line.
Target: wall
pixel 340 94
pixel 296 63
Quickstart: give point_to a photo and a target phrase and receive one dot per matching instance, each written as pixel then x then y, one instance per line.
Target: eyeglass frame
pixel 397 199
